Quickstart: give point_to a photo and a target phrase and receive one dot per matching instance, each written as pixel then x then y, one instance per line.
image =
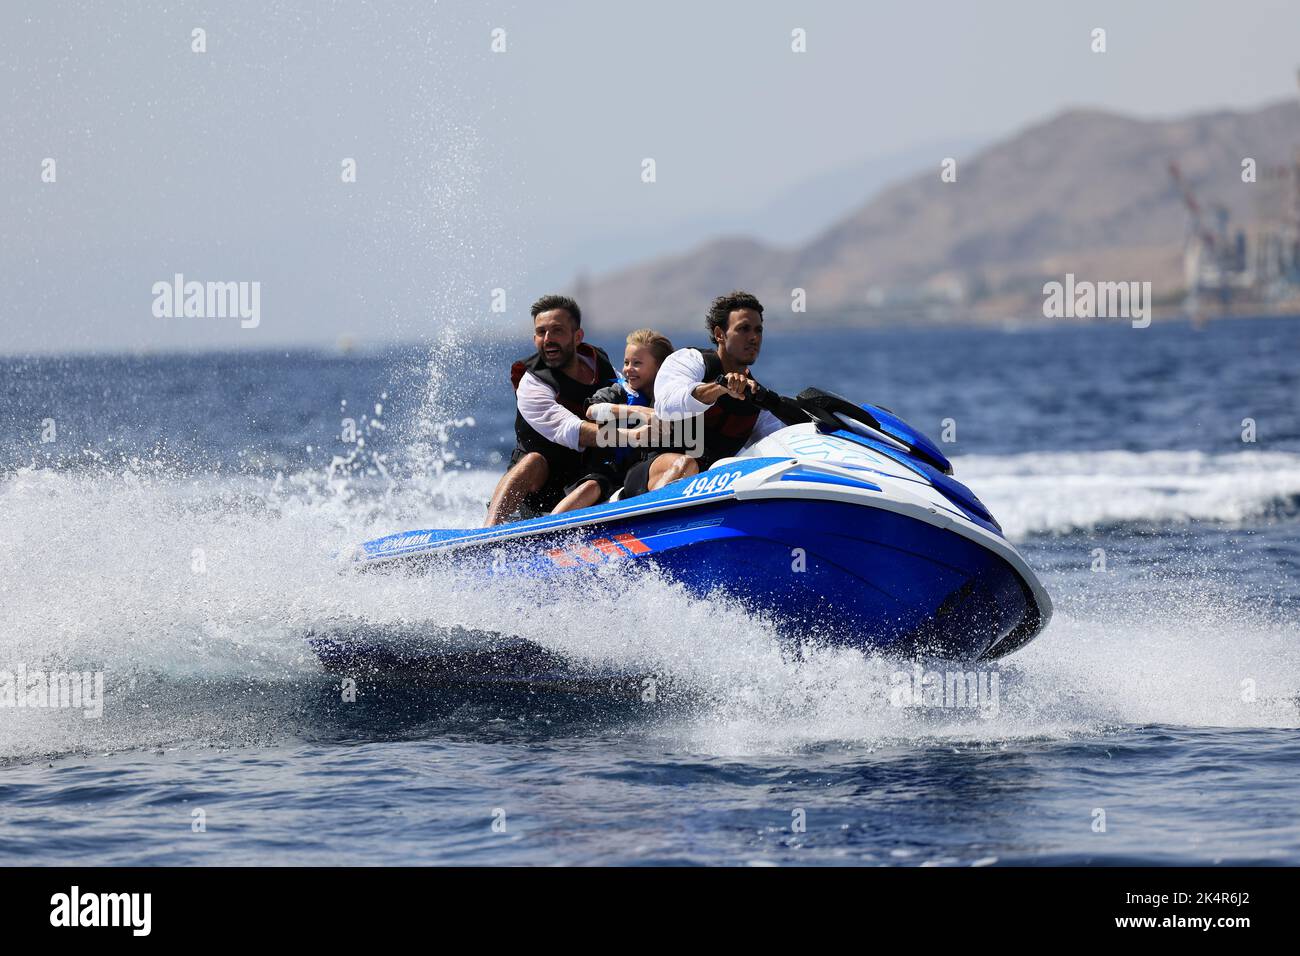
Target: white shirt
pixel 538 403
pixel 677 378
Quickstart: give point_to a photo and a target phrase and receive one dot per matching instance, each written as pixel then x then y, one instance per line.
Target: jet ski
pixel 847 529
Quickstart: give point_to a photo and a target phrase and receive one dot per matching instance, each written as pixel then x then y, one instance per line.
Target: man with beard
pixel 551 391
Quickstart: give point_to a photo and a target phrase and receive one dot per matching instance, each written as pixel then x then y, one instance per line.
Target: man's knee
pixel 670 468
pixel 680 466
pixel 531 470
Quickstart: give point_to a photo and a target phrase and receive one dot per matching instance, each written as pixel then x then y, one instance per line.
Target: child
pixel 632 396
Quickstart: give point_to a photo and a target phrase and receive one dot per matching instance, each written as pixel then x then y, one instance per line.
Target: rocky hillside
pixel 1086 192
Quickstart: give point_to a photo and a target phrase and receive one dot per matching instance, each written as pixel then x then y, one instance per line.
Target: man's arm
pixel 675 385
pixel 537 404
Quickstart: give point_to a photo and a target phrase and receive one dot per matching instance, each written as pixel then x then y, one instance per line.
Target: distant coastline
pixel 1100 195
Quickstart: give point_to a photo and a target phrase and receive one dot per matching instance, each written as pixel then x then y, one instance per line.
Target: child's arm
pixel 606 405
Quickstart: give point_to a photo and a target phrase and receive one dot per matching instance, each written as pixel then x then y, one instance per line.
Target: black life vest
pixel 729 422
pixel 570 393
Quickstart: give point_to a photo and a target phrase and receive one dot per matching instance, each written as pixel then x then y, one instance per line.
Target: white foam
pixel 1058 492
pixel 98 571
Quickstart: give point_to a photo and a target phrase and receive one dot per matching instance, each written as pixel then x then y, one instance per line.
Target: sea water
pixel 179 525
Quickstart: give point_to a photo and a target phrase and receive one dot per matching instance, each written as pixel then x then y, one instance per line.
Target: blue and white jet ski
pixel 846 530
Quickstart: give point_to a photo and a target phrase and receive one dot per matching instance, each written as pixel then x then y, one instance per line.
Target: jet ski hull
pixel 850 575
pixel 828 550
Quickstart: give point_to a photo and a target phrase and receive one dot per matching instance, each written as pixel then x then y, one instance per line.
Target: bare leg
pixel 668 468
pixel 528 475
pixel 583 496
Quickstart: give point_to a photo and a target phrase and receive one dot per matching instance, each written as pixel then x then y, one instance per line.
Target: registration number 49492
pixel 705 484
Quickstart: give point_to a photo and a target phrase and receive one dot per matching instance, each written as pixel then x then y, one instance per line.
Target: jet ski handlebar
pixel 786 409
pixel 832 413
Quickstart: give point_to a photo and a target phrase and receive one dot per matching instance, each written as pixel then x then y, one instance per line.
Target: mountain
pixel 789 215
pixel 1086 191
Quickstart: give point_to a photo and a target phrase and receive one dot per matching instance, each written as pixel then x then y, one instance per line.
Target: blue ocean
pixel 181 524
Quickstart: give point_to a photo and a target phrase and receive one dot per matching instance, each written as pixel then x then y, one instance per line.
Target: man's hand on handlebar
pixel 735 384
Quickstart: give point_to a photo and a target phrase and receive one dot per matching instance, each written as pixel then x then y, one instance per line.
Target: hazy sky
pixel 479 170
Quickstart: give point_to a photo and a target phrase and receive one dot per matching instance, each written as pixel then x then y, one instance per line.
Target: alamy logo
pixel 54 689
pixel 685 433
pixel 208 300
pixel 947 690
pixel 1101 300
pixel 103 909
